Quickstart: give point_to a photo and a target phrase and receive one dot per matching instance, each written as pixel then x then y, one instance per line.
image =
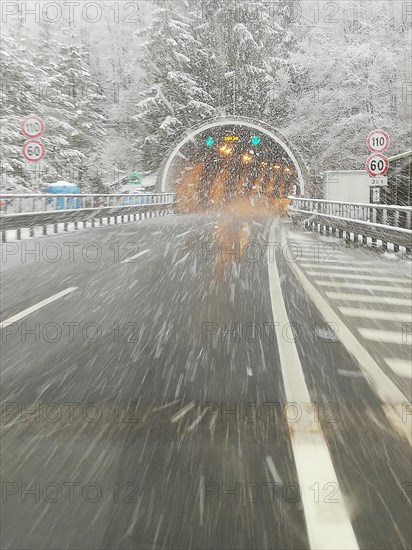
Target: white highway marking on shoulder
pixel 135 256
pixel 389 393
pixel 384 336
pixel 366 298
pixel 401 367
pixel 359 276
pixel 336 266
pixel 328 524
pixel 376 314
pixel 367 286
pixel 41 304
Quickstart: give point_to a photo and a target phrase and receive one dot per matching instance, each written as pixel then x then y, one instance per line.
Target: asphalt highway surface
pixel 201 382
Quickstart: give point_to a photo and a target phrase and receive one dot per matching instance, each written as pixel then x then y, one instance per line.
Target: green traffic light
pixel 210 141
pixel 255 140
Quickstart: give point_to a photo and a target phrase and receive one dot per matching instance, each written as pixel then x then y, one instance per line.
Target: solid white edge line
pixel 128 260
pixel 393 399
pixel 31 309
pixel 328 523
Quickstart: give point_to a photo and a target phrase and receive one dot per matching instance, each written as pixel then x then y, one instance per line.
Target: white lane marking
pixel 366 298
pixel 41 304
pixel 389 393
pixel 376 314
pixel 337 267
pixel 366 286
pixel 273 471
pixel 182 234
pixel 182 412
pixel 360 276
pixel 135 256
pixel 384 336
pixel 328 524
pixel 401 367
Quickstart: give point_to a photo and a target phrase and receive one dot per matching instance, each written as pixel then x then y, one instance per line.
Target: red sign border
pixel 385 169
pixel 38 120
pixel 27 142
pixel 388 140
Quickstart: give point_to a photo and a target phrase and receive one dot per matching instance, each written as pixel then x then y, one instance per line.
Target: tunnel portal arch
pixel 273 133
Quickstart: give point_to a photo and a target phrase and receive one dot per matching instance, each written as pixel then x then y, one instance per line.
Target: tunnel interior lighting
pixel 246 158
pixel 225 150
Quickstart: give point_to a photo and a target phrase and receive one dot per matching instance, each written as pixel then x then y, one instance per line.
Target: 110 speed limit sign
pixel 378 141
pixel 377 165
pixel 32 126
pixel 33 150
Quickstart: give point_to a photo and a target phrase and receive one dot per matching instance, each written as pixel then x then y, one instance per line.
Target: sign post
pixel 32 127
pixel 377 164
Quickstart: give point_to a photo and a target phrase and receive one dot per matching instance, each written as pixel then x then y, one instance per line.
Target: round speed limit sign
pixel 378 141
pixel 32 126
pixel 377 165
pixel 33 150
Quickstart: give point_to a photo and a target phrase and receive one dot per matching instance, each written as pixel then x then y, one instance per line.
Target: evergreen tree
pixel 213 60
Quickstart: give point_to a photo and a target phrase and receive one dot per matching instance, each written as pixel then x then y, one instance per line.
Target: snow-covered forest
pixel 118 82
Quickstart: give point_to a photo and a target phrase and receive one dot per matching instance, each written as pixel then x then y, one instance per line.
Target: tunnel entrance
pixel 232 159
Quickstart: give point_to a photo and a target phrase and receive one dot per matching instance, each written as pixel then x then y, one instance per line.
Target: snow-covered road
pixel 172 384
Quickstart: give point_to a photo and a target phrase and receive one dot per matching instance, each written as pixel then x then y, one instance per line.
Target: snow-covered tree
pixel 18 99
pixel 352 89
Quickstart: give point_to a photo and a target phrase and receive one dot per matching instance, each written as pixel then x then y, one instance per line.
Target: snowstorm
pixel 206 268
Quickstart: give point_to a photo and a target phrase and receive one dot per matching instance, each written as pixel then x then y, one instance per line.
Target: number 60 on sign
pixel 377 165
pixel 33 150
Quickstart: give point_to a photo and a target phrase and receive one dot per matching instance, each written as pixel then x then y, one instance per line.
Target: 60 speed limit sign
pixel 378 141
pixel 33 150
pixel 32 126
pixel 377 165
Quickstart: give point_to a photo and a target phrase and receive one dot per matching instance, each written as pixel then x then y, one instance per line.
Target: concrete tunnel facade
pixel 165 180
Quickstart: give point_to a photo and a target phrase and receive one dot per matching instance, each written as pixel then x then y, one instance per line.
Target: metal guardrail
pixel 30 211
pixel 379 222
pixel 49 202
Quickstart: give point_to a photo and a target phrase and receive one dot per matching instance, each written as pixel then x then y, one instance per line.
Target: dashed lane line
pixel 128 260
pixel 41 304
